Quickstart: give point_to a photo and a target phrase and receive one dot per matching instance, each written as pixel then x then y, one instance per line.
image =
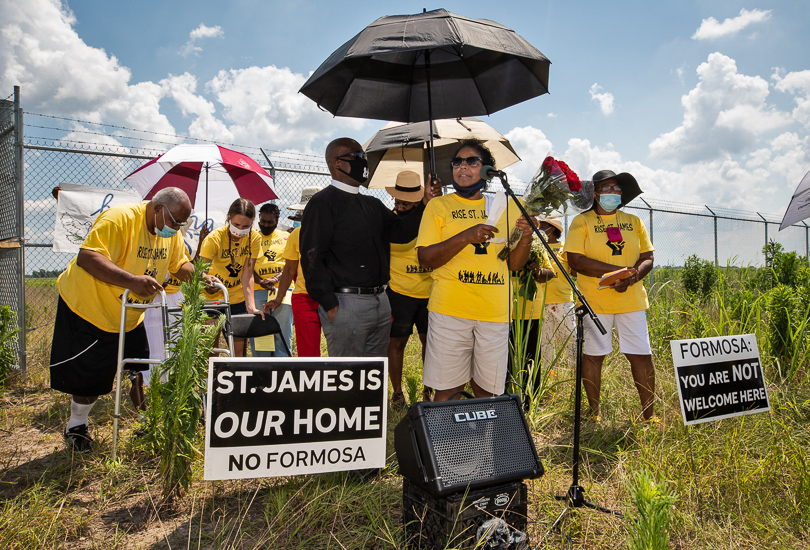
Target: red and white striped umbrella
pixel 208 173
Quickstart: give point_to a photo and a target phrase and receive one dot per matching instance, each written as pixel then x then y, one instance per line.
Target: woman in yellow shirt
pixel 232 251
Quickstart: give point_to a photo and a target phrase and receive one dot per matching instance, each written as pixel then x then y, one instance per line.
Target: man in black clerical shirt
pixel 345 238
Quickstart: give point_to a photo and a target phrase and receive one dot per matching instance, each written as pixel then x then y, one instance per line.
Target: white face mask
pixel 236 232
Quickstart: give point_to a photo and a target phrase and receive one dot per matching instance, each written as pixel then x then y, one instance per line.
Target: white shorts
pixel 634 338
pixel 460 350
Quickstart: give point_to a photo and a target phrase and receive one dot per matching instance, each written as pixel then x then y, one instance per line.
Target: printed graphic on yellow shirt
pixel 228 257
pixel 270 261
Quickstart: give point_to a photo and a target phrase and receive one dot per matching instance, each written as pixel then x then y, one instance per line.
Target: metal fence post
pixel 652 240
pixel 714 218
pixel 766 227
pixel 806 240
pixel 18 175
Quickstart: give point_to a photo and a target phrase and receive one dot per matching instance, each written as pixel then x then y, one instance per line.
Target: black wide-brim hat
pixel 629 185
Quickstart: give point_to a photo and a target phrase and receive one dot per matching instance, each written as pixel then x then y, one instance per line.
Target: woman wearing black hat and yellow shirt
pixel 602 240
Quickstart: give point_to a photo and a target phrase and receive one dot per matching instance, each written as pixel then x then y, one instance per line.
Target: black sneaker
pixel 78 439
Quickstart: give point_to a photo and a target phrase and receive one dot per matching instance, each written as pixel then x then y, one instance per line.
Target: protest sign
pixel 271 417
pixel 719 377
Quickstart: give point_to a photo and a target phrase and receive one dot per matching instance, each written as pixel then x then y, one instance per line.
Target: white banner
pixel 269 417
pixel 78 207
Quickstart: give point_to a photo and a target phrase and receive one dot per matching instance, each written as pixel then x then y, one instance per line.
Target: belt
pixel 361 289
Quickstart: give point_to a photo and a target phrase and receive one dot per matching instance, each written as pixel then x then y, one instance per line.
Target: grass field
pixel 742 482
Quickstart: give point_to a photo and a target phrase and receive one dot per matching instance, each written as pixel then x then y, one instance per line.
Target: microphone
pixel 488 172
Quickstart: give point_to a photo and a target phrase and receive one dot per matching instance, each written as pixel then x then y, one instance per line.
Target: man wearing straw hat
pixel 409 287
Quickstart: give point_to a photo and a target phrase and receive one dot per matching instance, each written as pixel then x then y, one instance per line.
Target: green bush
pixel 698 277
pixel 8 337
pixel 785 321
pixel 175 412
pixel 649 527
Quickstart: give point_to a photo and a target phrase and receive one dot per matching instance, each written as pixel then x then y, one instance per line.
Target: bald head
pixel 338 167
pixel 171 198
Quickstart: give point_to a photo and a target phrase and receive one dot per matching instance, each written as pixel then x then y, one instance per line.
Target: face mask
pixel 167 232
pixel 267 230
pixel 468 192
pixel 358 171
pixel 238 233
pixel 610 202
pixel 296 224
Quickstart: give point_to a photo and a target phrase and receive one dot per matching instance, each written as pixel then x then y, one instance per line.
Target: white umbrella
pixel 397 147
pixel 799 207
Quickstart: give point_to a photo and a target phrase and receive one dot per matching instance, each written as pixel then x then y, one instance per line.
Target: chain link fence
pixel 678 230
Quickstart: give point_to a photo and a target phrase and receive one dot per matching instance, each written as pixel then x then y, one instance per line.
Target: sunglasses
pixel 604 188
pixel 469 161
pixel 353 154
pixel 175 223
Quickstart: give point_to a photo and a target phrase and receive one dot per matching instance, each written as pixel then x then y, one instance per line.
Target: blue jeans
pixel 283 314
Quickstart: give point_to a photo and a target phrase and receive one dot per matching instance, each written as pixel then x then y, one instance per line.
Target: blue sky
pixel 704 102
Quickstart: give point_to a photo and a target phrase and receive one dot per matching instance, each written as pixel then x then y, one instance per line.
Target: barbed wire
pixel 152 132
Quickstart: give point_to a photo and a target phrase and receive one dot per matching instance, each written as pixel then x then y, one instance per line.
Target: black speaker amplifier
pixel 451 446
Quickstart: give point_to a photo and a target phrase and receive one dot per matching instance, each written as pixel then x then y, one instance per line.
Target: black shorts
pixel 407 312
pixel 84 358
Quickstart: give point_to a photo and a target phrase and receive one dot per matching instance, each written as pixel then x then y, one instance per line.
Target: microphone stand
pixel 575 497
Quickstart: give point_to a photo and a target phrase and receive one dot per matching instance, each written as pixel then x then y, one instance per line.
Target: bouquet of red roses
pixel 550 189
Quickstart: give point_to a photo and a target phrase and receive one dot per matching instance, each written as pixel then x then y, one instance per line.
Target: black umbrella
pixel 413 68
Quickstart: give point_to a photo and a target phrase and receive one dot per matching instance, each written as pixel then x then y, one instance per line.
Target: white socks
pixel 78 414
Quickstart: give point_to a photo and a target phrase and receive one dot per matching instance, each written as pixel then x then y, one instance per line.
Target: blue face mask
pixel 610 202
pixel 167 232
pixel 296 224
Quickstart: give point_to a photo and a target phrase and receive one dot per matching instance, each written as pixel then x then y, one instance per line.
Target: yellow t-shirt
pixel 228 257
pixel 588 237
pixel 407 276
pixel 557 290
pixel 292 252
pixel 270 261
pixel 533 309
pixel 474 283
pixel 119 234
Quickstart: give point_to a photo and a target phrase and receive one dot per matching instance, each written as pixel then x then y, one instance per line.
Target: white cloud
pixel 797 83
pixel 605 99
pixel 202 31
pixel 725 113
pixel 711 28
pixel 532 146
pixel 263 107
pixel 59 74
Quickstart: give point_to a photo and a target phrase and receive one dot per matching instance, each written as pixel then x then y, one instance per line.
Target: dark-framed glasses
pixel 353 154
pixel 175 223
pixel 468 161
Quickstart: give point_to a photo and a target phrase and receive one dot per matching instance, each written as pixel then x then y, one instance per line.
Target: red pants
pixel 307 325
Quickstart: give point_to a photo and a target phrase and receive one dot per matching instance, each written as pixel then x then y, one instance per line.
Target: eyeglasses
pixel 353 154
pixel 469 161
pixel 176 224
pixel 605 188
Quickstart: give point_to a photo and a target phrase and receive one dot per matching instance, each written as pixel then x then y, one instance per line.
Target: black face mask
pixel 468 192
pixel 267 230
pixel 358 171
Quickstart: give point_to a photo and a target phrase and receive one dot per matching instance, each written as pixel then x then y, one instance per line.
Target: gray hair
pixel 171 197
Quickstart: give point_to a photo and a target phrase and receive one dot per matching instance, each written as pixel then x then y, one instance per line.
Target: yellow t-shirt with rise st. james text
pixel 228 256
pixel 474 284
pixel 292 252
pixel 588 237
pixel 119 234
pixel 270 262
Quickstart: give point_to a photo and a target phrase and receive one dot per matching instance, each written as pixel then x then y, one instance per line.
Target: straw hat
pixel 408 188
pixel 555 222
pixel 306 194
